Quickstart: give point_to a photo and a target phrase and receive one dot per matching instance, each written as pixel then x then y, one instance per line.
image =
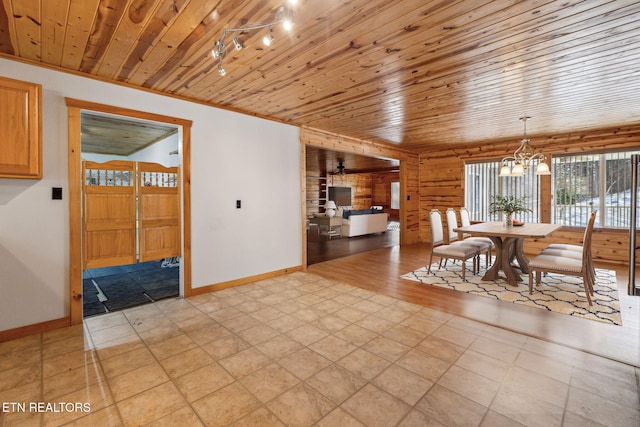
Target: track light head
pixel 221 69
pixel 218 49
pixel 268 39
pixel 236 43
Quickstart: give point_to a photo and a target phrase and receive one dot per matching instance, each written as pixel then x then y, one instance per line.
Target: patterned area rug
pixel 558 293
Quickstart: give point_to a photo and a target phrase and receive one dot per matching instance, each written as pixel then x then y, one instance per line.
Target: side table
pixel 333 224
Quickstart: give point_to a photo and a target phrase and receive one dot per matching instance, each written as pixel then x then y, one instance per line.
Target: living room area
pixel 352 204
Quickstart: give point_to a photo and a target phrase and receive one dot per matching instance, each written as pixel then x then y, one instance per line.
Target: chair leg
pixel 530 281
pixel 430 260
pixel 586 285
pixel 464 269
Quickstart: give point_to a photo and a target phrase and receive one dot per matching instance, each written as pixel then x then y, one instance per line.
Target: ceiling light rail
pixel 283 15
pixel 523 157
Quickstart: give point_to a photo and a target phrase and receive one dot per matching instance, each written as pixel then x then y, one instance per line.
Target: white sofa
pixel 360 224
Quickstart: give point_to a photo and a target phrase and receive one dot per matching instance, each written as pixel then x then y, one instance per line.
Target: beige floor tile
pixel 225 346
pixel 545 388
pixel 172 346
pixel 261 417
pixel 72 380
pixel 300 406
pixel 455 335
pixel 25 393
pixel 542 365
pixel 525 408
pixel 473 386
pixel 350 314
pixel 285 323
pixel 614 389
pixel 269 382
pixel 496 349
pixel 127 362
pixel 346 299
pixel 245 362
pixel 210 332
pixel 113 333
pixel 308 314
pixel 603 411
pixel 405 335
pixel 105 321
pixel 332 347
pixel 157 402
pixel 136 381
pixel 328 306
pixel 267 314
pixel 304 363
pixel 375 323
pixel 363 363
pixel 507 337
pixel 64 333
pixel 183 417
pixel 418 419
pixel 185 362
pixel 160 333
pixel 394 314
pixel 403 384
pixel 421 324
pixel 258 334
pixel 20 375
pixel 336 383
pixel 375 407
pixel 467 325
pixel 118 346
pixel 108 416
pixel 356 335
pixel 493 419
pixel 240 323
pixel 367 306
pixel 24 345
pixel 386 348
pixel 307 334
pixel 203 381
pixel 96 396
pixel 279 347
pixel 225 313
pixel 339 417
pixel 226 405
pixel 440 348
pixel 483 365
pixel 427 366
pixel 67 361
pixel 330 323
pixel 20 358
pixel 444 406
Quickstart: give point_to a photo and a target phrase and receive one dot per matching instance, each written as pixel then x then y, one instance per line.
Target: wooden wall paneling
pixel 410 200
pixel 441 190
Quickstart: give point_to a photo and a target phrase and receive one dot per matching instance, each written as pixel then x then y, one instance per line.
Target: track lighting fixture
pixel 283 15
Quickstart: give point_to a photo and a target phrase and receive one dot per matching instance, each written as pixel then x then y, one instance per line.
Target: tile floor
pixel 301 350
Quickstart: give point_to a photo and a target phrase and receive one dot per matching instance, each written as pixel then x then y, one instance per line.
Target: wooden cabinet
pixel 20 129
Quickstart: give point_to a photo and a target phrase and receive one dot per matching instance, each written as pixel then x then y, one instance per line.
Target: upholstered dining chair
pixel 481 245
pixel 575 251
pixel 465 221
pixel 440 249
pixel 568 264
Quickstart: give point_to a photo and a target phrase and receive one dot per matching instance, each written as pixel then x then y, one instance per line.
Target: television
pixel 340 195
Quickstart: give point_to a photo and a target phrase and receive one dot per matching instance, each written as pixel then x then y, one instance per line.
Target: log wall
pixel 442 182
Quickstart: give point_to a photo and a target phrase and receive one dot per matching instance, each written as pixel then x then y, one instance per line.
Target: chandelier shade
pixel 523 158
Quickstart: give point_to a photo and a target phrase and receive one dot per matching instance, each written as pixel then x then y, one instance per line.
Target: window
pixel 395 195
pixel 583 183
pixel 482 183
pixel 579 184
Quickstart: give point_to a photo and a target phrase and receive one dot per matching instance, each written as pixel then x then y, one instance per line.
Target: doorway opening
pixel 155 270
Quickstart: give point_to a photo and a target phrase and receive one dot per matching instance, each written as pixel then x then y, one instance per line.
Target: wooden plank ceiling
pixel 416 74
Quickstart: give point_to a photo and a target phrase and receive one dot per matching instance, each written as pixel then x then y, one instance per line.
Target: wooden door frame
pixel 74 109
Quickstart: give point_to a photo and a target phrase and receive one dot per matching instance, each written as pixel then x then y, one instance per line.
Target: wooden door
pixel 158 211
pixel 109 213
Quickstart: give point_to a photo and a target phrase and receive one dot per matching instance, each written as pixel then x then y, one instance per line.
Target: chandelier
pixel 523 157
pixel 283 15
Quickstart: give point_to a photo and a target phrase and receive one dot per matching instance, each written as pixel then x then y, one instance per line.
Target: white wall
pixel 233 157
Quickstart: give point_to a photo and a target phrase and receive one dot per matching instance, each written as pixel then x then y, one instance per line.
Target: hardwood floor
pixel 380 270
pixel 321 248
